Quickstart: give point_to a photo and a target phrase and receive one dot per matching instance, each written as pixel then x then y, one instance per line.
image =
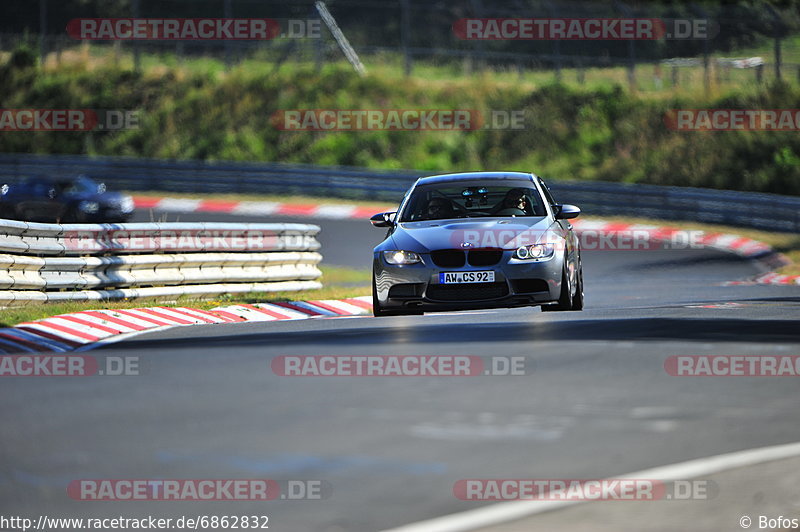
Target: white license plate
pixel 466 277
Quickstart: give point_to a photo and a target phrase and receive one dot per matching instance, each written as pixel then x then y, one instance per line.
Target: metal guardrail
pixel 93 239
pixel 746 209
pixel 69 262
pixel 770 212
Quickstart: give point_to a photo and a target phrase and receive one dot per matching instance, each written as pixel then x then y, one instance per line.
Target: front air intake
pixel 448 258
pixel 484 257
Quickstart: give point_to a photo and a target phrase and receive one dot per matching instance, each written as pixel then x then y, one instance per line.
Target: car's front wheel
pixel 565 299
pixel 377 310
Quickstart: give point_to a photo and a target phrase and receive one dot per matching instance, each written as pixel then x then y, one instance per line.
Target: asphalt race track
pixel 595 400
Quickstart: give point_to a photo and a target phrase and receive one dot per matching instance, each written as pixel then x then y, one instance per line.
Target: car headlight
pixel 535 252
pixel 398 258
pixel 126 204
pixel 89 207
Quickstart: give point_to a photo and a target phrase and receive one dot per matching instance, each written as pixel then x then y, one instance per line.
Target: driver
pixel 515 203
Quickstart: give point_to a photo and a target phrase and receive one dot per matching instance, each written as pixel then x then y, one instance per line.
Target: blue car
pixel 73 200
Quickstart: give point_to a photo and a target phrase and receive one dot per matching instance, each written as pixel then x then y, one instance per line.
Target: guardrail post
pixel 42 31
pixel 137 61
pixel 405 34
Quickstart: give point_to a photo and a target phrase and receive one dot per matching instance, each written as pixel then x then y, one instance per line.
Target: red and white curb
pixel 739 245
pixel 742 246
pixel 769 278
pixel 259 208
pixel 83 330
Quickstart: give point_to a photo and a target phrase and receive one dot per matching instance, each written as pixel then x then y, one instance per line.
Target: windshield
pixel 79 185
pixel 472 199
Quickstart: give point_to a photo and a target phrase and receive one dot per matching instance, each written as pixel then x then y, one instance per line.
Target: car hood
pixel 505 233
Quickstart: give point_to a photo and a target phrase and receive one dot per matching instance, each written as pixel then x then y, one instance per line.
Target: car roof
pixel 493 176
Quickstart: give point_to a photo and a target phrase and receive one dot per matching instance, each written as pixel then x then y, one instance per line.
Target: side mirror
pixel 101 188
pixel 384 219
pixel 567 212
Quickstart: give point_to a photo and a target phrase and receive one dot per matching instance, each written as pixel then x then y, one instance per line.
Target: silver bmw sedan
pixel 477 240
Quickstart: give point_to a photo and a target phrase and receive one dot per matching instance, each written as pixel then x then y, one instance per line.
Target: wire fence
pixel 718 72
pixel 417 37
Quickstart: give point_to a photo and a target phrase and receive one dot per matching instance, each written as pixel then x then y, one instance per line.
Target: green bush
pixel 601 133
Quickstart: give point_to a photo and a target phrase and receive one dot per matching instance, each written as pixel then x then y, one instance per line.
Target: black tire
pixel 7 212
pixel 377 310
pixel 577 300
pixel 564 298
pixel 71 216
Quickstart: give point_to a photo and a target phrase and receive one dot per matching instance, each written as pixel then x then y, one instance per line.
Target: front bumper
pixel 417 287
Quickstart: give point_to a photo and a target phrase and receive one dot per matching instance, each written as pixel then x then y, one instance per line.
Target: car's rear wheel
pixel 71 216
pixel 565 299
